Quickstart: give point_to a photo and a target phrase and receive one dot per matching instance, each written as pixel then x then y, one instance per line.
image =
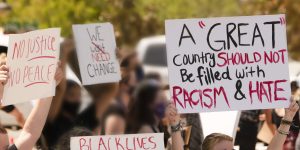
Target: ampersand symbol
pixel 239 95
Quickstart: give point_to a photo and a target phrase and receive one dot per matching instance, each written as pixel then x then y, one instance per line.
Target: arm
pixel 174 119
pixel 34 124
pixel 36 120
pixel 279 138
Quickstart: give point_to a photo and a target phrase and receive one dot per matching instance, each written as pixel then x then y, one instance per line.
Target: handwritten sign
pixel 153 141
pixel 96 51
pixel 32 59
pixel 229 63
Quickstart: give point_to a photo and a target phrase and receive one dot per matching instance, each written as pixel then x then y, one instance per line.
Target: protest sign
pixel 149 141
pixel 32 60
pixel 229 63
pixel 96 51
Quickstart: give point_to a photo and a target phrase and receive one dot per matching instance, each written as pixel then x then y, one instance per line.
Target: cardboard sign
pixel 96 51
pixel 229 63
pixel 153 141
pixel 32 60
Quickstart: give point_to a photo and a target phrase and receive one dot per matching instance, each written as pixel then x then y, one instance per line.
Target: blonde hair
pixel 211 140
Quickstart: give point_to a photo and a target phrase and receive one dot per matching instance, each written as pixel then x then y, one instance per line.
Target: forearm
pixel 34 124
pixel 177 141
pixel 279 139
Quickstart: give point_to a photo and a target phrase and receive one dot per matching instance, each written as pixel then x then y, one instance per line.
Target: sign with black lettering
pixel 228 63
pixel 96 51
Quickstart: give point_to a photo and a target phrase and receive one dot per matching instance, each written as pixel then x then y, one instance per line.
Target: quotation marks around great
pixel 282 21
pixel 201 24
pixel 228 63
pixel 154 141
pixel 96 51
pixel 32 60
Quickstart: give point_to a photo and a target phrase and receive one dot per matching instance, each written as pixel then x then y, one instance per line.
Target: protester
pixel 64 141
pixel 217 141
pixel 36 120
pixel 132 63
pixel 148 108
pixel 10 109
pixel 102 96
pixel 114 121
pixel 66 116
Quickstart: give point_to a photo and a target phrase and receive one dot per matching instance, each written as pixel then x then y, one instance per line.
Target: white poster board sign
pixel 229 63
pixel 32 60
pixel 96 52
pixel 153 141
pixel 213 122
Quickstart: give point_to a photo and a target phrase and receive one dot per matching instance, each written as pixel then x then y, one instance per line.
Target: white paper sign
pixel 32 60
pixel 154 141
pixel 96 51
pixel 229 63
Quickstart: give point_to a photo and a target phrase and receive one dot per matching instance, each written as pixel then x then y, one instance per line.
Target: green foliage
pixel 134 19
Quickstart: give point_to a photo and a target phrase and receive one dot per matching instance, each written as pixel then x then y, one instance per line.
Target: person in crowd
pixel 64 141
pixel 10 109
pixel 103 95
pixel 34 123
pixel 217 141
pixel 132 63
pixel 278 113
pixel 126 88
pixel 148 108
pixel 114 121
pixel 65 120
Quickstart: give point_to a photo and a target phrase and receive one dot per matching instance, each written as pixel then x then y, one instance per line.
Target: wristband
pixel 177 127
pixel 282 132
pixel 286 122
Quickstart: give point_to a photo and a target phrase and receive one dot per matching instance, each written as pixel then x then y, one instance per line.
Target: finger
pixel 4 68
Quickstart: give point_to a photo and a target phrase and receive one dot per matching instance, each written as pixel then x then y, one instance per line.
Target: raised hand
pixel 59 74
pixel 3 79
pixel 172 114
pixel 291 111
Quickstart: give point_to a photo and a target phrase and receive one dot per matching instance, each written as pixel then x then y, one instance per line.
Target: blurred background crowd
pixel 142 94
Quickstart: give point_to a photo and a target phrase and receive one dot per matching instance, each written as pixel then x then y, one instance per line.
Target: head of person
pixel 147 106
pixel 130 61
pixel 72 98
pixel 102 95
pixel 3 139
pixel 114 121
pixel 64 141
pixel 217 141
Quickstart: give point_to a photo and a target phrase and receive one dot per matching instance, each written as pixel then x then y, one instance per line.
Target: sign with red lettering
pixel 32 59
pixel 96 51
pixel 149 141
pixel 228 63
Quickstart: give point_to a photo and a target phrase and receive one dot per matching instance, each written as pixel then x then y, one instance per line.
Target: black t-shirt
pixel 87 118
pixel 12 147
pixel 54 130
